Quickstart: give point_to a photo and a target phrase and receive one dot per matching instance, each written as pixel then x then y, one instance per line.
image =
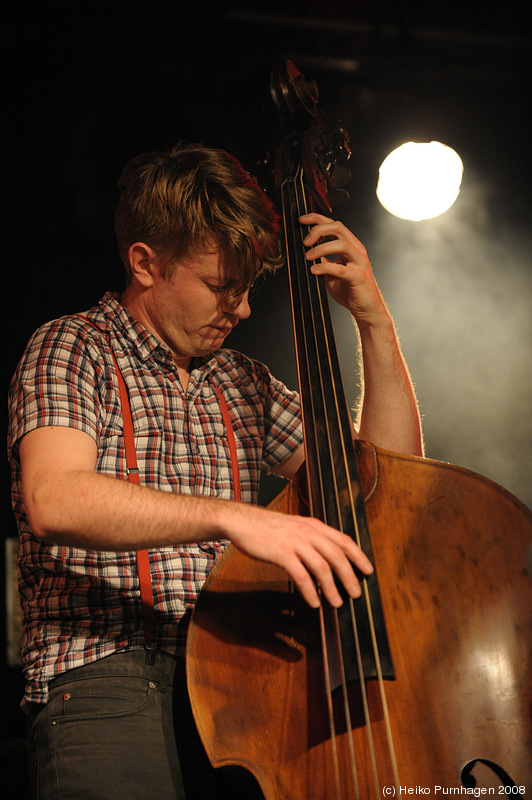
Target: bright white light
pixel 420 180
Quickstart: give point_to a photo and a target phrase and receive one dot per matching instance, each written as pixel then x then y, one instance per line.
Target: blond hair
pixel 193 197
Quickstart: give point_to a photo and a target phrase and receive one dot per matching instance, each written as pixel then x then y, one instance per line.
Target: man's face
pixel 195 309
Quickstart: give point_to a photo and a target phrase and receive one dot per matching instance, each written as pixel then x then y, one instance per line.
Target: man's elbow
pixel 43 510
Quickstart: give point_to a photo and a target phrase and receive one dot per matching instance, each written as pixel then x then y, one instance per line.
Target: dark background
pixel 88 85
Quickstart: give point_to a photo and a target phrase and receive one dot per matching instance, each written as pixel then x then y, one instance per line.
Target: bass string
pixel 318 305
pixel 365 589
pixel 322 307
pixel 304 359
pixel 319 335
pixel 316 318
pixel 302 291
pixel 322 310
pixel 300 288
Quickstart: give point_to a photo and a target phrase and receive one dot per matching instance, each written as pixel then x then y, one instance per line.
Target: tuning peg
pixel 337 197
pixel 340 136
pixel 340 176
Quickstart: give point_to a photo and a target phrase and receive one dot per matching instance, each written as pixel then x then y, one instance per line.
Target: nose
pixel 237 305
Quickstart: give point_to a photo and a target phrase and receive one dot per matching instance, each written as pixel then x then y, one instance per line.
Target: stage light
pixel 419 180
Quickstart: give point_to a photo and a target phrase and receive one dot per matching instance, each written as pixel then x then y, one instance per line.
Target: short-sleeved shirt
pixel 80 605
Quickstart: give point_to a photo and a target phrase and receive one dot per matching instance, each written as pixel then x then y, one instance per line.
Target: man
pixel 194 232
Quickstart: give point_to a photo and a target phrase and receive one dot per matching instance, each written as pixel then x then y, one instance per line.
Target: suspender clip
pixel 151 649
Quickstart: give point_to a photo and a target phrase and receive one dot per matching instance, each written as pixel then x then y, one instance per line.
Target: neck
pixel 184 376
pixel 136 309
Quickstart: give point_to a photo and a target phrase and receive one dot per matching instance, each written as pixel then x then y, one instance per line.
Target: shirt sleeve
pixel 283 428
pixel 55 384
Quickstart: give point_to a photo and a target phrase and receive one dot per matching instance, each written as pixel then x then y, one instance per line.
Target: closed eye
pixel 222 288
pixel 233 287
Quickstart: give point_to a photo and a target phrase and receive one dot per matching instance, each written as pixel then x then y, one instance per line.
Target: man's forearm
pixel 389 415
pixel 93 511
pixel 84 509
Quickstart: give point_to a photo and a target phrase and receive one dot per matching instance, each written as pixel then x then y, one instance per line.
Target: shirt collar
pixel 147 345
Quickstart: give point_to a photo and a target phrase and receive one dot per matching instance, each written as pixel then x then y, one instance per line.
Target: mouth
pixel 224 330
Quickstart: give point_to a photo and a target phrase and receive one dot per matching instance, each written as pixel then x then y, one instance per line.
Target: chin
pixel 210 347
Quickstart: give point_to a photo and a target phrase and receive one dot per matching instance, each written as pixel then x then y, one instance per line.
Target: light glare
pixel 420 180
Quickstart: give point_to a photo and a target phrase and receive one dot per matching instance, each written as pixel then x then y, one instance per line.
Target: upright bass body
pixel 453 552
pixel 422 685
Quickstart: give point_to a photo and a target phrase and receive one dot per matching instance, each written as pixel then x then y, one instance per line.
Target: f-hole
pixel 469 780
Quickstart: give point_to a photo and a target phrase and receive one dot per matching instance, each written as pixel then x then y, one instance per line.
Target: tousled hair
pixel 191 198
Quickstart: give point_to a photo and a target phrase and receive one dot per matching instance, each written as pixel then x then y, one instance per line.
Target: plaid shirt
pixel 80 605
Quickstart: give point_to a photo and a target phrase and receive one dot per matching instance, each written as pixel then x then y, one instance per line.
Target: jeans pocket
pixel 99 698
pixel 108 738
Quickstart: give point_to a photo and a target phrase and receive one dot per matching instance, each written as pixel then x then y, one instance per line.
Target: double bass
pixel 423 685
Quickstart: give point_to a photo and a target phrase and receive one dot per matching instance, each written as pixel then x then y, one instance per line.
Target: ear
pixel 142 261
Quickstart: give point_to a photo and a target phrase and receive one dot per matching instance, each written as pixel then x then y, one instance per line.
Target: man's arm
pixel 68 503
pixel 389 415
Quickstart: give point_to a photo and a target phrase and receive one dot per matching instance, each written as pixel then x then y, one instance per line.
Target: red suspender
pixel 143 562
pixel 231 442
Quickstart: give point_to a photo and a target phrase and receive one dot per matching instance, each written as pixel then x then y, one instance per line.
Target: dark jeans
pixel 119 728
